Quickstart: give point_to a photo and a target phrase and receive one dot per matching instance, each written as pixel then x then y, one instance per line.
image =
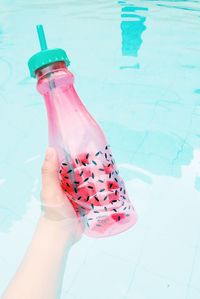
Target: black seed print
pixel 68 184
pixel 90 187
pixel 60 171
pixel 70 170
pixel 115 210
pixel 97 154
pixel 96 211
pixel 83 215
pixel 109 165
pixel 79 198
pixel 106 156
pixel 124 191
pixel 114 200
pixel 105 197
pixel 101 190
pixel 66 177
pixel 101 181
pixel 81 173
pixel 76 182
pixel 127 214
pixel 75 190
pixel 123 203
pixel 76 160
pixel 101 169
pixel 64 164
pixel 117 172
pixel 92 175
pixel 109 175
pixel 88 198
pixel 65 190
pixel 96 198
pixel 85 180
pixel 116 180
pixel 94 162
pixel 124 197
pixel 87 156
pixel 92 205
pixel 112 162
pixel 115 192
pixel 90 218
pixel 121 189
pixel 111 185
pixel 105 209
pixel 118 218
pixel 110 155
pixel 124 208
pixel 84 163
pixel 106 147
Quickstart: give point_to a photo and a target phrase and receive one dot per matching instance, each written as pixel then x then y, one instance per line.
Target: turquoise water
pixel 137 70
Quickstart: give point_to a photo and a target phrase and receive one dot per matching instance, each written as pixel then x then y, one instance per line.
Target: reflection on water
pixel 179 7
pixel 132 29
pixel 161 146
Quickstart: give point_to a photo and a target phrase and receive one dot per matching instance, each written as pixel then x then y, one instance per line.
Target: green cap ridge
pixel 45 56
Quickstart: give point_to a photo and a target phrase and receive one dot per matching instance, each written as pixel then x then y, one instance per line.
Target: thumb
pixel 51 192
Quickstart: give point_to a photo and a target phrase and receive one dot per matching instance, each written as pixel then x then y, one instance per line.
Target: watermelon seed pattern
pixel 92 183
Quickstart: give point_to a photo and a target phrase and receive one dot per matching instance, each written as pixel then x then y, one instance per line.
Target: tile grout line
pixel 136 267
pixel 193 263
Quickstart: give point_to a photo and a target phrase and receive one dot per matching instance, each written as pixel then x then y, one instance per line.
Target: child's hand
pixel 55 205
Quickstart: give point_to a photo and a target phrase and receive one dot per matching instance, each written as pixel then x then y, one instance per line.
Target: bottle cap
pixel 45 56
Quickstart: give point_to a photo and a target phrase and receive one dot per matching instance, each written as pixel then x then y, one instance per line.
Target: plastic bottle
pixel 88 173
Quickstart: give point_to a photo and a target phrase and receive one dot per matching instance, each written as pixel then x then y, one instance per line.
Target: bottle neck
pixel 53 77
pixel 45 71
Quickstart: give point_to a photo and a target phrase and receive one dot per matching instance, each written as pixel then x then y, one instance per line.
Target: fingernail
pixel 49 154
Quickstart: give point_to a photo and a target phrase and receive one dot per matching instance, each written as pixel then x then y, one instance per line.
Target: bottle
pixel 88 173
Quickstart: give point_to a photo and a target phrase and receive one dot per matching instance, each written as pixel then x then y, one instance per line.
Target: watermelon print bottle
pixel 88 173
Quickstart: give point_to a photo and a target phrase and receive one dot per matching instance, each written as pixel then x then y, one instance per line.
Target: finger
pixel 51 190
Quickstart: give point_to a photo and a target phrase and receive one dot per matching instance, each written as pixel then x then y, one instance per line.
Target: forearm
pixel 41 271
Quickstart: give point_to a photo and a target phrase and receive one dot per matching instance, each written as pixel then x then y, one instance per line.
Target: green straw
pixel 41 36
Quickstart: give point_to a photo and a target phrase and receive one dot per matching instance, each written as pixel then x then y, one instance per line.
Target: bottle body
pixel 88 173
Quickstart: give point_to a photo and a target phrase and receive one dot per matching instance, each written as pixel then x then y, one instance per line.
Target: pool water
pixel 137 66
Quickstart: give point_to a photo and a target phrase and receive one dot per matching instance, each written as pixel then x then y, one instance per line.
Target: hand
pixel 55 205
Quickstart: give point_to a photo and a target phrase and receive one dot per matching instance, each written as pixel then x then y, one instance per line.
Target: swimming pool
pixel 136 65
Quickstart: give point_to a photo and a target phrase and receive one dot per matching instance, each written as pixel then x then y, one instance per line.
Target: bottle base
pixel 111 230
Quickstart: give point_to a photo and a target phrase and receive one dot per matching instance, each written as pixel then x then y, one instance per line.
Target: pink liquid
pixel 88 173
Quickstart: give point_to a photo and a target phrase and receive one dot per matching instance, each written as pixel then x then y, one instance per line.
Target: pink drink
pixel 88 173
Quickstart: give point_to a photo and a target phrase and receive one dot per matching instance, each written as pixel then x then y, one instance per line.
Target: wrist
pixel 67 224
pixel 59 231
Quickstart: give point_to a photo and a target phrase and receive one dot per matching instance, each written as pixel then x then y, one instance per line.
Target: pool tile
pixel 147 285
pixel 102 276
pixel 166 256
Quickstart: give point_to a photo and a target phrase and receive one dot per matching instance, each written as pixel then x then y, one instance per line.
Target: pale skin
pixel 41 271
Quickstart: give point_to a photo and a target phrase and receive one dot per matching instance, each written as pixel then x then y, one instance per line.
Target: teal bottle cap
pixel 45 56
